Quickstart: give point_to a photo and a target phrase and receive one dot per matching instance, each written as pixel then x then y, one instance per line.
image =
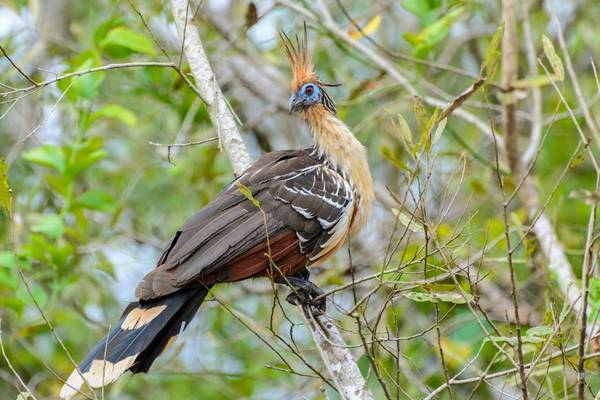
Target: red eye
pixel 309 90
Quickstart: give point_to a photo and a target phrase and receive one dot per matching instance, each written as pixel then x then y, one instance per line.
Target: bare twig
pixel 12 369
pixel 169 146
pixel 536 93
pixel 88 71
pixel 15 66
pixel 510 68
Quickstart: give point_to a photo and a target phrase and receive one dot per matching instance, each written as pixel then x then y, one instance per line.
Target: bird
pixel 289 210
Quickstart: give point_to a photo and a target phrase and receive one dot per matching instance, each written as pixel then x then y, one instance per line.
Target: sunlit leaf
pixel 439 130
pixel 391 157
pixel 456 352
pixel 88 85
pixel 5 190
pixel 23 396
pixel 407 221
pixel 555 61
pixel 99 200
pixel 533 81
pixel 370 27
pixel 48 156
pixel 432 34
pixel 420 114
pixel 405 130
pixel 116 111
pixel 245 190
pixel 8 259
pixel 37 293
pixel 493 54
pixel 437 297
pixel 539 331
pixel 126 38
pixel 424 10
pixel 50 225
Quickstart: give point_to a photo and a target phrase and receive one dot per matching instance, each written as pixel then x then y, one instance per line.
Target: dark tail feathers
pixel 143 332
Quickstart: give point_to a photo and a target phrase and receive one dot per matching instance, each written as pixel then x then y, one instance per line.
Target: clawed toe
pixel 304 293
pixel 307 298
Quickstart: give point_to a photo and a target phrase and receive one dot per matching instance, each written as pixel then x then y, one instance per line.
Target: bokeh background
pixel 94 198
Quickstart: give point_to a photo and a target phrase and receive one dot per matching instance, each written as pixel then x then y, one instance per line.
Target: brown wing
pixel 304 215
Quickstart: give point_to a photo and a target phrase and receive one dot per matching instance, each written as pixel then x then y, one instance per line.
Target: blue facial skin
pixel 306 96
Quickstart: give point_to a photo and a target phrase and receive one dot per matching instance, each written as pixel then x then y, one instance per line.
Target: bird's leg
pixel 303 290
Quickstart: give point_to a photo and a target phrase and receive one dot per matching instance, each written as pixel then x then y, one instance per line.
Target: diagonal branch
pixel 335 354
pixel 210 92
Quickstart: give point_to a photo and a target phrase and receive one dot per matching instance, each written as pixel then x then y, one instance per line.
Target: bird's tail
pixel 143 332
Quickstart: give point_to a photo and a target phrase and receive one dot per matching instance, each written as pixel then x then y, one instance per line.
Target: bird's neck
pixel 338 145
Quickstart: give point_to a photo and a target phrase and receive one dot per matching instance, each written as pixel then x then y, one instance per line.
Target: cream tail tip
pixel 100 373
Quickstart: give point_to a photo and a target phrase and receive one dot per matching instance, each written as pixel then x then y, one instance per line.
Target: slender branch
pixel 15 66
pixel 536 93
pixel 589 119
pixel 88 71
pixel 12 369
pixel 337 358
pixel 170 146
pixel 510 68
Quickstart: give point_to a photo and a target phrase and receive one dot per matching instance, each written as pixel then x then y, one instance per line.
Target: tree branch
pixel 335 354
pixel 510 69
pixel 210 92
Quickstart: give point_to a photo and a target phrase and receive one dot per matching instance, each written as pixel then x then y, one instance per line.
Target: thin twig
pixel 15 66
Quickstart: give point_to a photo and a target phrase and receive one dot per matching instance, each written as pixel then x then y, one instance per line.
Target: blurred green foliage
pixel 91 199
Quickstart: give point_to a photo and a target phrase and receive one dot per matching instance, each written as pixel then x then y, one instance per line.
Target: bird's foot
pixel 308 295
pixel 305 293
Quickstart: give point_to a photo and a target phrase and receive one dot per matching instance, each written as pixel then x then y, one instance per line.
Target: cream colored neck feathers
pixel 346 153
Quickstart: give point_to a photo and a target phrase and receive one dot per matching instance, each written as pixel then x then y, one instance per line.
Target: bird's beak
pixel 295 103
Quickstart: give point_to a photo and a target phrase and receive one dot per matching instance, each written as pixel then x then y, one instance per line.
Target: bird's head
pixel 308 92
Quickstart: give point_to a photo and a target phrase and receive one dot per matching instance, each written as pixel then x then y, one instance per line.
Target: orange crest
pixel 301 64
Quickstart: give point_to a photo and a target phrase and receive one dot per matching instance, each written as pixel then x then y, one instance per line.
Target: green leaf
pixel 433 33
pixel 533 81
pixel 126 38
pixel 391 157
pixel 88 85
pixel 424 10
pixel 39 294
pixel 437 297
pixel 493 54
pixel 96 200
pixel 555 61
pixel 438 30
pixel 247 193
pixel 5 190
pixel 502 339
pixel 50 225
pixel 48 156
pixel 8 259
pixel 539 331
pixel 405 130
pixel 439 130
pixel 103 29
pixel 115 111
pixel 406 220
pixel 420 114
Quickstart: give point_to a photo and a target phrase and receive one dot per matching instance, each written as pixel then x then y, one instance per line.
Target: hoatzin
pixel 310 200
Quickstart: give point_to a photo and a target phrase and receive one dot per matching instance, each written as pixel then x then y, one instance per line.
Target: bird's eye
pixel 309 90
